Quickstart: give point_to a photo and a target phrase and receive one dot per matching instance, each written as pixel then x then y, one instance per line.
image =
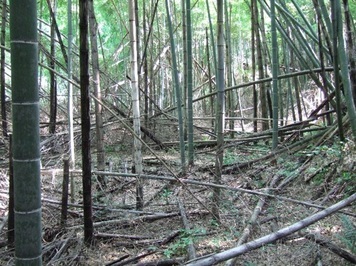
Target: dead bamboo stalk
pixel 252 222
pixel 207 184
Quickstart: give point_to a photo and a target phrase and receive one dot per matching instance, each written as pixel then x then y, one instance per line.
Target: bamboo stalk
pixel 257 243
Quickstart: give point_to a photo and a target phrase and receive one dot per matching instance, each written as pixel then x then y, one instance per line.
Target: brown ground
pixel 123 234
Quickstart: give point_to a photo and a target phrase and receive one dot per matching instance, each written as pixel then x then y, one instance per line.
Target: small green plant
pixel 320 177
pixel 229 157
pixel 345 177
pixel 109 148
pixel 349 179
pixel 249 263
pixel 185 239
pixel 348 235
pixel 206 138
pixel 166 194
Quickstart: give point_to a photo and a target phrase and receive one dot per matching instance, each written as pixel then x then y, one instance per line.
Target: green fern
pixel 348 235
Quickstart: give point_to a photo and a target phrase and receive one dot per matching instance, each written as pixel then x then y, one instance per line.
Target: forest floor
pixel 300 176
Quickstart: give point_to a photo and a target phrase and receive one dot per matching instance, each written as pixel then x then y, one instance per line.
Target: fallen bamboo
pixel 257 243
pixel 252 222
pixel 207 184
pixel 190 248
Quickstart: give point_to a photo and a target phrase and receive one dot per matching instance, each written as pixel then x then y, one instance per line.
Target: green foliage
pixel 166 194
pixel 118 147
pixel 346 177
pixel 335 150
pixel 290 168
pixel 348 234
pixel 320 177
pixel 214 223
pixel 186 238
pixel 349 179
pixel 110 148
pixel 229 157
pixel 249 263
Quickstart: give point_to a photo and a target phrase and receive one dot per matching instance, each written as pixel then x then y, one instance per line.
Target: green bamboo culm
pixel 25 123
pixel 336 67
pixel 190 85
pixel 344 62
pixel 220 110
pixel 177 90
pixel 274 75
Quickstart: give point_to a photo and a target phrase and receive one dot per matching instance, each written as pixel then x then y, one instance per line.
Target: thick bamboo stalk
pixel 177 90
pixel 344 64
pixel 85 117
pixel 25 124
pixel 275 67
pixel 190 85
pixel 99 123
pixel 336 28
pixel 135 105
pixel 53 78
pixel 2 69
pixel 220 110
pixel 70 97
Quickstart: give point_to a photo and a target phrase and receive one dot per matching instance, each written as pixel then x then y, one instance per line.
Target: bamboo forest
pixel 178 132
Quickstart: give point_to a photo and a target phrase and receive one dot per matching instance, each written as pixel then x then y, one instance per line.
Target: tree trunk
pixel 53 81
pixel 25 124
pixel 211 98
pixel 85 117
pixel 2 69
pixel 220 110
pixel 344 63
pixel 296 88
pixel 190 85
pixel 70 99
pixel 177 90
pixel 336 66
pixel 145 69
pixel 135 106
pixel 263 93
pixel 230 96
pixel 275 67
pixel 11 218
pixel 99 124
pixel 350 48
pixel 254 28
pixel 185 69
